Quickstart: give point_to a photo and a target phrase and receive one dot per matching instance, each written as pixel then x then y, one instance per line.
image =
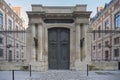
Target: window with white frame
pixel 1 20
pixel 1 40
pixel 117 20
pixel 99 45
pixel 99 33
pixel 9 24
pixel 17 54
pixel 106 43
pixel 116 40
pixel 116 52
pixel 107 24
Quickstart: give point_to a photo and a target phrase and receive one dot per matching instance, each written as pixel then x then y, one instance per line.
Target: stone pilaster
pixel 78 41
pixel 33 50
pixel 40 41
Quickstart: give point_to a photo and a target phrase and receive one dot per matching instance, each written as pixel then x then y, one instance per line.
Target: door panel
pixel 58 48
pixel 52 49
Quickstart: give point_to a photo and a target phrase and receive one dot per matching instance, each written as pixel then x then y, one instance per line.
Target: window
pixel 99 29
pixel 106 43
pixel 17 54
pixel 106 55
pixel 99 45
pixel 106 24
pixel 1 40
pixel 1 52
pixel 9 24
pixel 93 47
pixel 17 30
pixel 116 40
pixel 117 20
pixel 16 45
pixel 22 46
pixel 10 56
pixel 22 55
pixel 1 20
pixel 116 52
pixel 94 35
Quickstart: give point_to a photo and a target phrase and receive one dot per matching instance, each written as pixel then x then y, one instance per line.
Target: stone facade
pixel 79 56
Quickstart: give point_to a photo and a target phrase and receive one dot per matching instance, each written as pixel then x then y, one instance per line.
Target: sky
pixel 26 4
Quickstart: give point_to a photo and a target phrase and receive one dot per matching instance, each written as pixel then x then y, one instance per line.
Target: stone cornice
pixel 38 13
pixel 83 14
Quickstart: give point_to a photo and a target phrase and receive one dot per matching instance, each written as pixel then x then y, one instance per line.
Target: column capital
pixel 39 23
pixel 82 20
pixel 80 24
pixel 31 24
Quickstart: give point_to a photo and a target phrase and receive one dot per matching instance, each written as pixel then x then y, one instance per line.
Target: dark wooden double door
pixel 58 48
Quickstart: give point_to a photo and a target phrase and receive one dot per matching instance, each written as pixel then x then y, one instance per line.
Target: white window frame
pixel 9 18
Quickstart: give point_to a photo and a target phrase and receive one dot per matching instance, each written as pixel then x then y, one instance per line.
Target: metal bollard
pixel 87 70
pixel 13 77
pixel 30 70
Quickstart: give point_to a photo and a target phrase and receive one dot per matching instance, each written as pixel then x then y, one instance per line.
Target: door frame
pixel 72 40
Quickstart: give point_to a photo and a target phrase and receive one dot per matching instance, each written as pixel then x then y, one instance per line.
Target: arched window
pixel 1 20
pixel 117 20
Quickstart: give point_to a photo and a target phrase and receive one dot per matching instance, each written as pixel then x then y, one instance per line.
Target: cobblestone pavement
pixel 61 75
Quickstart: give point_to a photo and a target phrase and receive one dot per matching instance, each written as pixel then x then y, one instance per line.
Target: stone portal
pixel 57 33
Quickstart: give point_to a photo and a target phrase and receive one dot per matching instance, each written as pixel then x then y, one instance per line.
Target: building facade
pixel 106 39
pixel 12 43
pixel 58 38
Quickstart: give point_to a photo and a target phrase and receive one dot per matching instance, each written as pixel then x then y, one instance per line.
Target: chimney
pixel 99 9
pixel 17 10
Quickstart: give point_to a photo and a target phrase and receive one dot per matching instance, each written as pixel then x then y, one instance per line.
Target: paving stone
pixel 61 75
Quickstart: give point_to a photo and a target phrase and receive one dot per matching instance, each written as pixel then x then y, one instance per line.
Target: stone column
pixel 33 50
pixel 78 41
pixel 40 42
